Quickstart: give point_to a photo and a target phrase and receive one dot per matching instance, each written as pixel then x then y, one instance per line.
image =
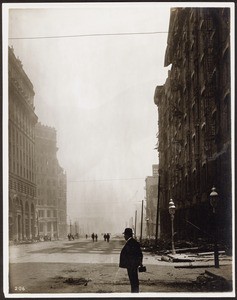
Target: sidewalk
pixel 224 272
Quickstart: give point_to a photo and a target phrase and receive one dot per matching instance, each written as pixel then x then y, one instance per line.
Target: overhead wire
pixel 85 35
pixel 97 34
pixel 109 179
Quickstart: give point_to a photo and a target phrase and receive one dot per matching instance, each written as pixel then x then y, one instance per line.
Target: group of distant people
pixel 106 237
pixel 94 237
pixel 70 237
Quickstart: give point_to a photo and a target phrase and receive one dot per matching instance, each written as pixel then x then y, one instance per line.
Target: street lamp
pixel 148 229
pixel 214 198
pixel 172 212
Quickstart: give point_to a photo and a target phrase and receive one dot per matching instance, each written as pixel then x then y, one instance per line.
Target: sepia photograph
pixel 118 149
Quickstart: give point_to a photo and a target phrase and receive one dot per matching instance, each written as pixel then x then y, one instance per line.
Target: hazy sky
pixel 97 91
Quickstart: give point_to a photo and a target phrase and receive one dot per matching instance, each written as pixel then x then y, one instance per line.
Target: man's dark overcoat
pixel 131 255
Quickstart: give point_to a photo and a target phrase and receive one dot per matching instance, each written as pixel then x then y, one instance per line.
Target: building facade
pixel 22 180
pixel 194 112
pixel 51 186
pixel 151 187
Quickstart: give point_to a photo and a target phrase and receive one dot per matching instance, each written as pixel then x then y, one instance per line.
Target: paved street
pixel 81 266
pixel 77 251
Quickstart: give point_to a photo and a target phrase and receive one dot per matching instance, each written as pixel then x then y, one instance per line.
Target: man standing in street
pixel 131 258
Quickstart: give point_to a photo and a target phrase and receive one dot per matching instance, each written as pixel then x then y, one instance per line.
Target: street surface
pixel 83 266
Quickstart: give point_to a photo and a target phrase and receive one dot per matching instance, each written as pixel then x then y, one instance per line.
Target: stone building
pixel 151 187
pixel 22 180
pixel 194 112
pixel 62 203
pixel 51 185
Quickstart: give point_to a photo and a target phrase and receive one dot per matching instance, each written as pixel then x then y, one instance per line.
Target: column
pixel 23 224
pixel 15 227
pixel 30 233
pixel 52 230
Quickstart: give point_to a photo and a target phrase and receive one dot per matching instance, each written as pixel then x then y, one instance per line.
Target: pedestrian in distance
pixel 131 258
pixel 86 236
pixel 105 237
pixel 93 236
pixel 96 237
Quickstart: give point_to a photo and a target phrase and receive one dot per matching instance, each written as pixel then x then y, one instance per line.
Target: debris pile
pixel 209 282
pixel 76 281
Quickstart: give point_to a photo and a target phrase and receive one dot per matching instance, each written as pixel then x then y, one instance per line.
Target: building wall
pixel 151 184
pixel 51 185
pixel 62 203
pixel 194 122
pixel 22 183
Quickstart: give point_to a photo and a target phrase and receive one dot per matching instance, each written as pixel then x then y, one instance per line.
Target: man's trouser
pixel 133 277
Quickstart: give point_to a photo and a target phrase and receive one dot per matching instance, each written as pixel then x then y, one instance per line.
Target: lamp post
pixel 214 197
pixel 148 229
pixel 172 212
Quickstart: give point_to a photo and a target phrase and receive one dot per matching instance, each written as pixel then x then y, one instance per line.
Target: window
pixel 55 226
pixel 49 227
pixel 41 213
pixel 41 227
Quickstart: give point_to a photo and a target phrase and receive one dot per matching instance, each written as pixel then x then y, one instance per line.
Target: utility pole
pixel 141 222
pixel 75 227
pixel 158 209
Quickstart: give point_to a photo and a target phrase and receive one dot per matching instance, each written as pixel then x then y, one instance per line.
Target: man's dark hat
pixel 128 231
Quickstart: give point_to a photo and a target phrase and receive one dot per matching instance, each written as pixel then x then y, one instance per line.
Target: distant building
pixel 151 188
pixel 194 112
pixel 22 183
pixel 51 185
pixel 155 170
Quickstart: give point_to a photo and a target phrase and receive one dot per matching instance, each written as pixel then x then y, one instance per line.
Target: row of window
pixel 21 118
pixel 49 226
pixel 19 155
pixel 48 192
pixel 189 185
pixel 22 187
pixel 47 201
pixel 43 181
pixel 47 213
pixel 20 139
pixel 21 170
